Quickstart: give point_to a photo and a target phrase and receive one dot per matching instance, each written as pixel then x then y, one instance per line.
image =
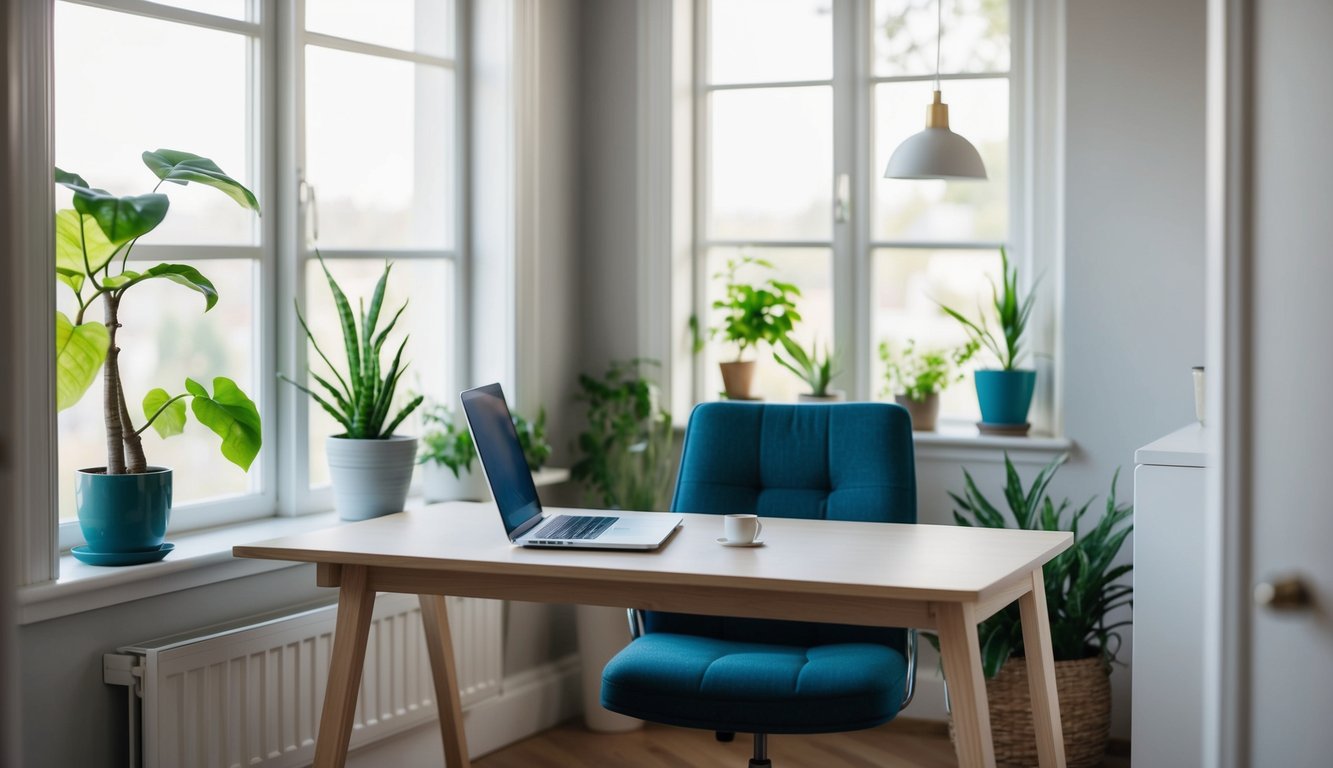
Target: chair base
pixel 761 763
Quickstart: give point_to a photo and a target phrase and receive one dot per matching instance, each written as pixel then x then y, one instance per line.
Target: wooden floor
pixel 901 744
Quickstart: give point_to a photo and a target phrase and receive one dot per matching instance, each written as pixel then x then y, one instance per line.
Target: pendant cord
pixel 939 38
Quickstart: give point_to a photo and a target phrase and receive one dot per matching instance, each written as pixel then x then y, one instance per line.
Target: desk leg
pixel 439 642
pixel 356 602
pixel 1041 675
pixel 961 653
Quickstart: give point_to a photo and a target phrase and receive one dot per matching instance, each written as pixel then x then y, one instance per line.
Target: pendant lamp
pixel 936 152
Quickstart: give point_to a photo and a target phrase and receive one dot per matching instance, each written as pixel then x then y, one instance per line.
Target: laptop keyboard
pixel 575 527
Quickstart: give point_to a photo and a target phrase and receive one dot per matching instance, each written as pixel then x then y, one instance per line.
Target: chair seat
pixel 728 685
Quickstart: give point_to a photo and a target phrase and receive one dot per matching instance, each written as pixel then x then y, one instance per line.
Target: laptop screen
pixel 501 455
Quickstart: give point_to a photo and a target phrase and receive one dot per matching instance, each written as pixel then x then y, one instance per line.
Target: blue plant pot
pixel 1005 396
pixel 123 513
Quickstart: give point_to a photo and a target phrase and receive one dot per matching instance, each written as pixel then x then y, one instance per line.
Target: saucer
pixel 724 542
pixel 83 554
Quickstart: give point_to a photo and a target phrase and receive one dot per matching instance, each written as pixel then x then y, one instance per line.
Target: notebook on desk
pixel 516 495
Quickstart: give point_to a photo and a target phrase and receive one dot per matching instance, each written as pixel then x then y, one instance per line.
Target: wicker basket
pixel 1084 688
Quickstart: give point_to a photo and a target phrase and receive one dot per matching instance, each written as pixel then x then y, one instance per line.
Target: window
pixel 794 128
pixel 372 141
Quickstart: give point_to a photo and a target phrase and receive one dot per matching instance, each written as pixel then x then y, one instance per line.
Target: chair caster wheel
pixel 726 737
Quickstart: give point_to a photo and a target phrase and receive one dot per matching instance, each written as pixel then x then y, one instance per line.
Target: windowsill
pixel 201 557
pixel 961 441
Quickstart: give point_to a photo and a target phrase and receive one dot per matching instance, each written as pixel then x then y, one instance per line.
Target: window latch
pixel 842 202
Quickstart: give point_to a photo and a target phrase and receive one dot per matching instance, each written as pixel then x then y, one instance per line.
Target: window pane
pixel 938 210
pixel 426 26
pixel 232 9
pixel 975 39
pixel 770 40
pixel 771 164
pixel 908 283
pixel 428 321
pixel 379 150
pixel 201 107
pixel 165 337
pixel 810 269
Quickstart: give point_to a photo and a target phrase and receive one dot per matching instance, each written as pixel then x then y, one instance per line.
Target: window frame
pixel 1033 194
pixel 276 155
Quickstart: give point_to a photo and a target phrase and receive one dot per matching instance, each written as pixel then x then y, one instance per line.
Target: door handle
pixel 1288 593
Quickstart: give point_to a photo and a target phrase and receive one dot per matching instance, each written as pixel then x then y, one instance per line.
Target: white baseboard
pixel 530 701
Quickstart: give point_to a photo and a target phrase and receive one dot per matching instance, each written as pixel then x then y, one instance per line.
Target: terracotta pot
pixel 738 379
pixel 924 413
pixel 1084 689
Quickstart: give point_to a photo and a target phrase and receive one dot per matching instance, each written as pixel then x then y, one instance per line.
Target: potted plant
pixel 370 465
pixel 625 460
pixel 123 507
pixel 448 455
pixel 1004 394
pixel 814 370
pixel 1082 588
pixel 751 315
pixel 915 379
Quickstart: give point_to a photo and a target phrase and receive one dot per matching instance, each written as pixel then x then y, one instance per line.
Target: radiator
pixel 251 695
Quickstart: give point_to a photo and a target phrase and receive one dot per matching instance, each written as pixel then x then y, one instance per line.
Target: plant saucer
pixel 85 555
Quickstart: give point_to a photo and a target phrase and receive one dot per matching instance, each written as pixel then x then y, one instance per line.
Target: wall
pixel 1132 281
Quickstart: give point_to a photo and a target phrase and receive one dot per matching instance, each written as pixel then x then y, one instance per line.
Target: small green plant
pixel 808 366
pixel 1012 312
pixel 625 452
pixel 443 442
pixel 918 375
pixel 754 314
pixel 532 437
pixel 98 231
pixel 363 397
pixel 1081 583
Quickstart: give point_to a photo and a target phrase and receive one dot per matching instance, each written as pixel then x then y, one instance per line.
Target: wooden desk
pixel 942 578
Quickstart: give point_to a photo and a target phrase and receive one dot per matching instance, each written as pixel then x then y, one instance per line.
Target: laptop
pixel 516 495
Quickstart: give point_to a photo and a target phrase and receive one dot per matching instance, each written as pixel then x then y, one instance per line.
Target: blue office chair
pixel 850 461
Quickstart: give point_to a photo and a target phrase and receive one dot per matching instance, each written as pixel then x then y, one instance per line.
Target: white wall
pixel 1132 286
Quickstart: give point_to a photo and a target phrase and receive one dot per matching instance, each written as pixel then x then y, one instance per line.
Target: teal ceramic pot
pixel 123 513
pixel 1005 396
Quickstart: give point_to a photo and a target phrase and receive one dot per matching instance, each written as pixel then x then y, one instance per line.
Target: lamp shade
pixel 935 153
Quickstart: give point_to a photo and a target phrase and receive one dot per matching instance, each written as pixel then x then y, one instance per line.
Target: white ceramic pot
pixel 370 477
pixel 439 484
pixel 602 632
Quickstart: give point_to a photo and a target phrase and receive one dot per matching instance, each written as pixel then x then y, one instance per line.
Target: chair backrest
pixel 844 461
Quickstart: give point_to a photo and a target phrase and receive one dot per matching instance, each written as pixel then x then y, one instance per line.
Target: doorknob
pixel 1284 594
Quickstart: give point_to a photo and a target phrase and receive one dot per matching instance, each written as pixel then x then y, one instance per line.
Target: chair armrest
pixel 635 617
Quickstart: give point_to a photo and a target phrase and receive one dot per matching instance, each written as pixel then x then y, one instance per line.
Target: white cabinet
pixel 1168 601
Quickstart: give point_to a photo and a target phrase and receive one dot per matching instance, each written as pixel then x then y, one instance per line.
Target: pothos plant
pixel 93 243
pixel 762 313
pixel 625 451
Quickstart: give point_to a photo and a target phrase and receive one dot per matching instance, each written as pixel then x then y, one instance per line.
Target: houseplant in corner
pixel 1004 394
pixel 1082 588
pixel 123 507
pixel 812 369
pixel 371 467
pixel 751 315
pixel 625 460
pixel 915 379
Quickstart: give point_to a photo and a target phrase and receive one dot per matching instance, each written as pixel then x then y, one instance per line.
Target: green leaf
pixel 70 179
pixel 187 276
pixel 183 167
pixel 232 416
pixel 71 241
pixel 170 421
pixel 80 353
pixel 122 219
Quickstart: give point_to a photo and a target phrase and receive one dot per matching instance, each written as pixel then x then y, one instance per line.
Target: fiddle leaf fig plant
pixel 93 244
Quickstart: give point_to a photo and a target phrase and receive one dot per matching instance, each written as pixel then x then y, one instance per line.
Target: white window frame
pixel 1035 235
pixel 276 148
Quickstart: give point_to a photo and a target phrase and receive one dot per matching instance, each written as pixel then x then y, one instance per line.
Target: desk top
pixel 815 556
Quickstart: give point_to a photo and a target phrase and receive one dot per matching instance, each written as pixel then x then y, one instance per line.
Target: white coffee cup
pixel 742 529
